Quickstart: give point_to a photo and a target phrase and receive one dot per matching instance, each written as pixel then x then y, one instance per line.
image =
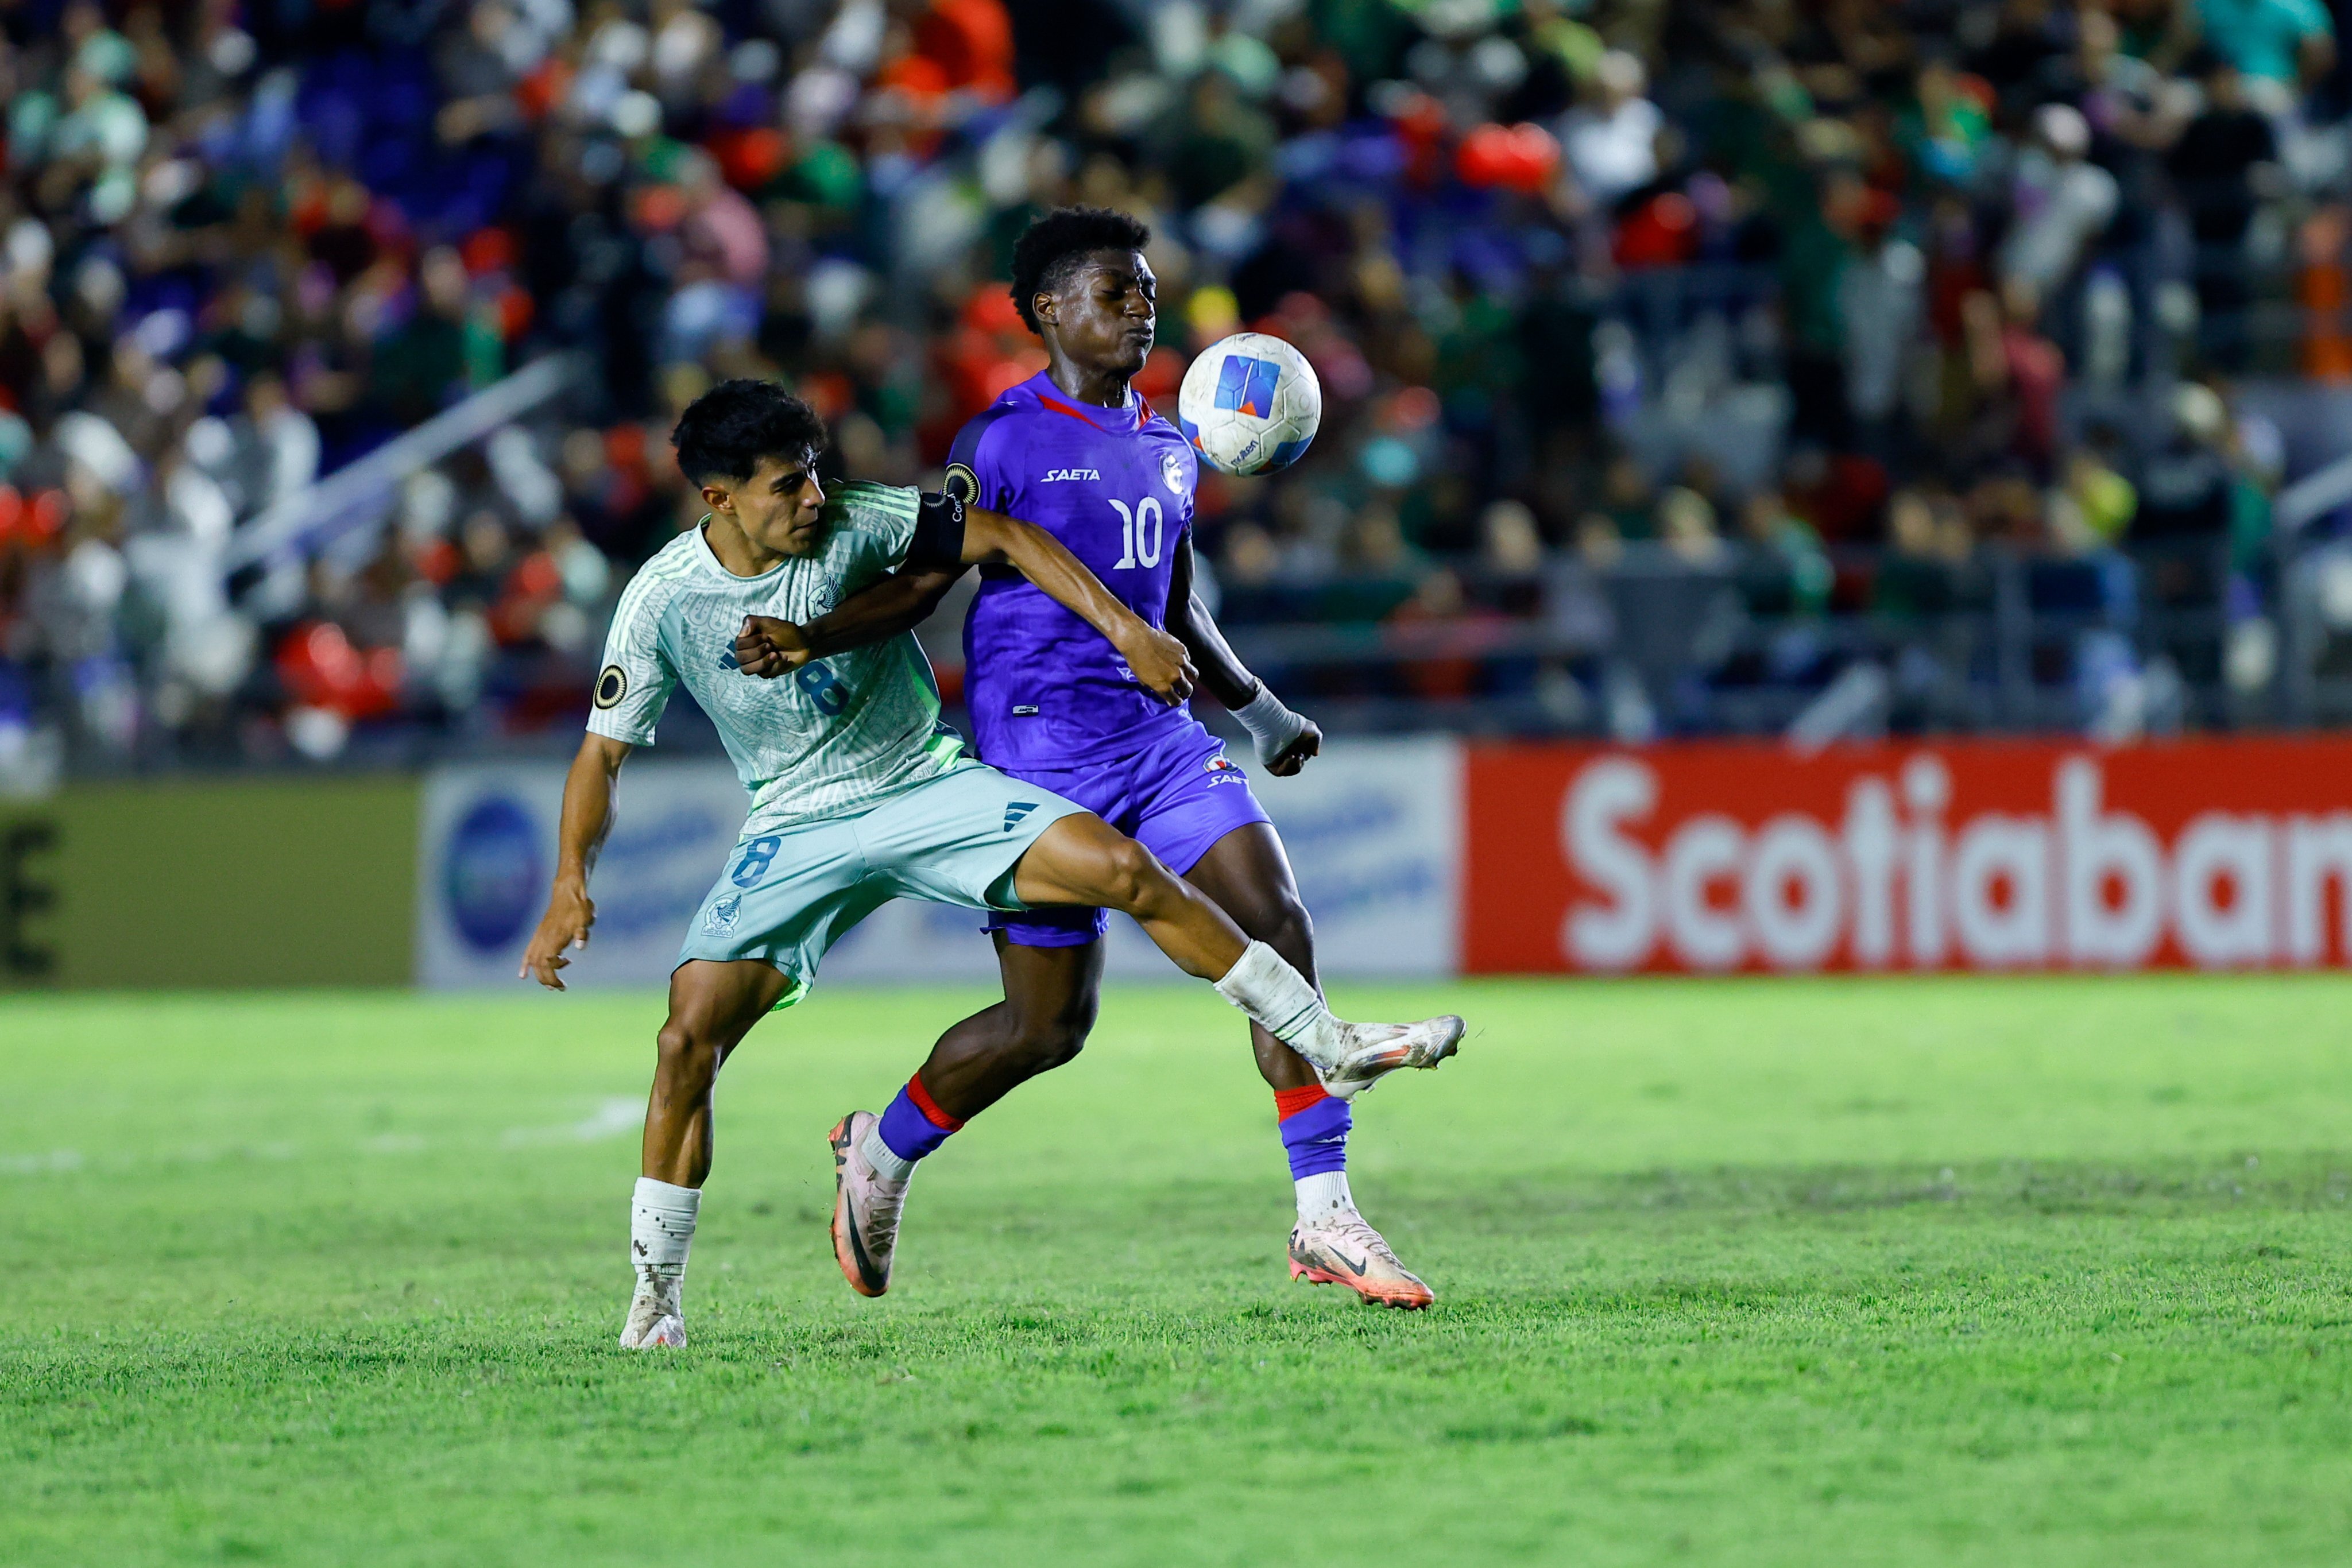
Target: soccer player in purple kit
pixel 1078 452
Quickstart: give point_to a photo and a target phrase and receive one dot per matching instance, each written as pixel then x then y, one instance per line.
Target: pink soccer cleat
pixel 1375 1049
pixel 1345 1250
pixel 865 1209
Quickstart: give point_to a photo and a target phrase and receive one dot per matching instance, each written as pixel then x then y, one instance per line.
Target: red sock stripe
pixel 928 1106
pixel 1288 1103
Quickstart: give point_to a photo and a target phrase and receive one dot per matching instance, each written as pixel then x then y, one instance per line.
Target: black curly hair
pixel 1056 243
pixel 730 428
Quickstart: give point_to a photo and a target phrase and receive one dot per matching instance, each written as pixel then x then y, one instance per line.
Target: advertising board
pixel 1992 855
pixel 1373 829
pixel 209 883
pixel 486 853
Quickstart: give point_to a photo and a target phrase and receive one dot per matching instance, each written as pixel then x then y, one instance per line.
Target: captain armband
pixel 937 541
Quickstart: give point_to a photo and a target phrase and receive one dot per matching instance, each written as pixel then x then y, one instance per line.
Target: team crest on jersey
pixel 612 685
pixel 963 484
pixel 721 921
pixel 1171 468
pixel 1056 476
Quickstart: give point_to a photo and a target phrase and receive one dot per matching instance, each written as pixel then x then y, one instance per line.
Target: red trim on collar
pixel 1143 410
pixel 1060 407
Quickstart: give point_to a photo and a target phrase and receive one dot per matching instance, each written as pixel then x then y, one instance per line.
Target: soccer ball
pixel 1250 404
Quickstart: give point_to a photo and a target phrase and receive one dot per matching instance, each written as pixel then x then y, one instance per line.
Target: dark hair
pixel 730 428
pixel 1053 246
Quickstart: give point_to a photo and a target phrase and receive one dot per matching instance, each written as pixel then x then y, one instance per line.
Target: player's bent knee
pixel 1132 876
pixel 688 1057
pixel 1047 1048
pixel 1043 1044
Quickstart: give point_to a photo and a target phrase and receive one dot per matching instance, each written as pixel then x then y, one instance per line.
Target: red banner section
pixel 1972 855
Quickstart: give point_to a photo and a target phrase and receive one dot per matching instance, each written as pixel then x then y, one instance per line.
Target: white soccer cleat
pixel 656 1318
pixel 1370 1051
pixel 866 1208
pixel 1343 1249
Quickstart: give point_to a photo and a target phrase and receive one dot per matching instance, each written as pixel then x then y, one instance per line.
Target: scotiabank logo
pixel 1994 856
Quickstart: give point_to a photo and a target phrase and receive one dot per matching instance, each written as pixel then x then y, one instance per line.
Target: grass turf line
pixel 1905 1272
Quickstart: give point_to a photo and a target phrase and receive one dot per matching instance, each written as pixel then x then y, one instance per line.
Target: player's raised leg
pixel 1246 875
pixel 1249 876
pixel 1083 860
pixel 712 1007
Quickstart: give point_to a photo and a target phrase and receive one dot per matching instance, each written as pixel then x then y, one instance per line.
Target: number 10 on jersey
pixel 1132 523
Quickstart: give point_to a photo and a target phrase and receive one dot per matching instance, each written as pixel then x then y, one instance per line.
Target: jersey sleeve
pixel 978 471
pixel 634 684
pixel 873 527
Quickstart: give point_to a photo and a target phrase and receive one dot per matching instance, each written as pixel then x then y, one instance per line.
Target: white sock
pixel 661 1231
pixel 889 1166
pixel 1324 1195
pixel 1263 984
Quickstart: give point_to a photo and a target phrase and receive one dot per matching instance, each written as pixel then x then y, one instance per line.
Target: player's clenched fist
pixel 564 927
pixel 1160 662
pixel 1292 757
pixel 768 647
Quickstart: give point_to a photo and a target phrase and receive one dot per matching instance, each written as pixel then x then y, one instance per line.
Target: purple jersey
pixel 1115 485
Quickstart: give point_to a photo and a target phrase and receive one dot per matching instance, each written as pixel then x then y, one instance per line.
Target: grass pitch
pixel 1903 1272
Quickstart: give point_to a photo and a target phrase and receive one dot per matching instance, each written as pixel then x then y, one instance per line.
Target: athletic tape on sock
pixel 1263 984
pixel 661 1226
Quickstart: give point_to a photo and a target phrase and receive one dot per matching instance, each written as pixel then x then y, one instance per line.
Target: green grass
pixel 1755 1274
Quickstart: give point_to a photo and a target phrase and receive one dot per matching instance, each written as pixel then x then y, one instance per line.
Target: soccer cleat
pixel 1344 1251
pixel 1373 1051
pixel 865 1209
pixel 656 1318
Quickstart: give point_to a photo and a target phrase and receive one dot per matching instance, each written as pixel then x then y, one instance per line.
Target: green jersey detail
pixel 829 739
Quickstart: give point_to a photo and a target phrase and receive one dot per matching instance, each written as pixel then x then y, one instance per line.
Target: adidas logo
pixel 727 660
pixel 1014 812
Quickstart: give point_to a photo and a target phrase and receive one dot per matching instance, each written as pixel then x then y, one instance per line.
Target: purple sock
pixel 1315 1135
pixel 913 1124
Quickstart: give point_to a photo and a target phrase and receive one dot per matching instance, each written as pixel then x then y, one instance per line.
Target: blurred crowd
pixel 1669 349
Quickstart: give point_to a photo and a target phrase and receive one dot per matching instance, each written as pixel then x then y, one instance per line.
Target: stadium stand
pixel 1690 368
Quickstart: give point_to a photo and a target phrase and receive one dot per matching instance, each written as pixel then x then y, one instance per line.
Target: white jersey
pixel 830 739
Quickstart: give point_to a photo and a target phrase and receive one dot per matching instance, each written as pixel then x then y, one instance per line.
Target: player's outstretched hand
pixel 1160 662
pixel 768 647
pixel 564 928
pixel 1292 757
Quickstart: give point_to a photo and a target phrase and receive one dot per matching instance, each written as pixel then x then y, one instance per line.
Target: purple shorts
pixel 1176 799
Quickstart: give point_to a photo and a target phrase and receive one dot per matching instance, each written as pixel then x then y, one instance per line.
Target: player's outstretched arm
pixel 1158 661
pixel 1285 740
pixel 587 819
pixel 899 602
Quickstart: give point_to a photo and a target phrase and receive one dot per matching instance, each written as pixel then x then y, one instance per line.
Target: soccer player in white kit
pixel 859 795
